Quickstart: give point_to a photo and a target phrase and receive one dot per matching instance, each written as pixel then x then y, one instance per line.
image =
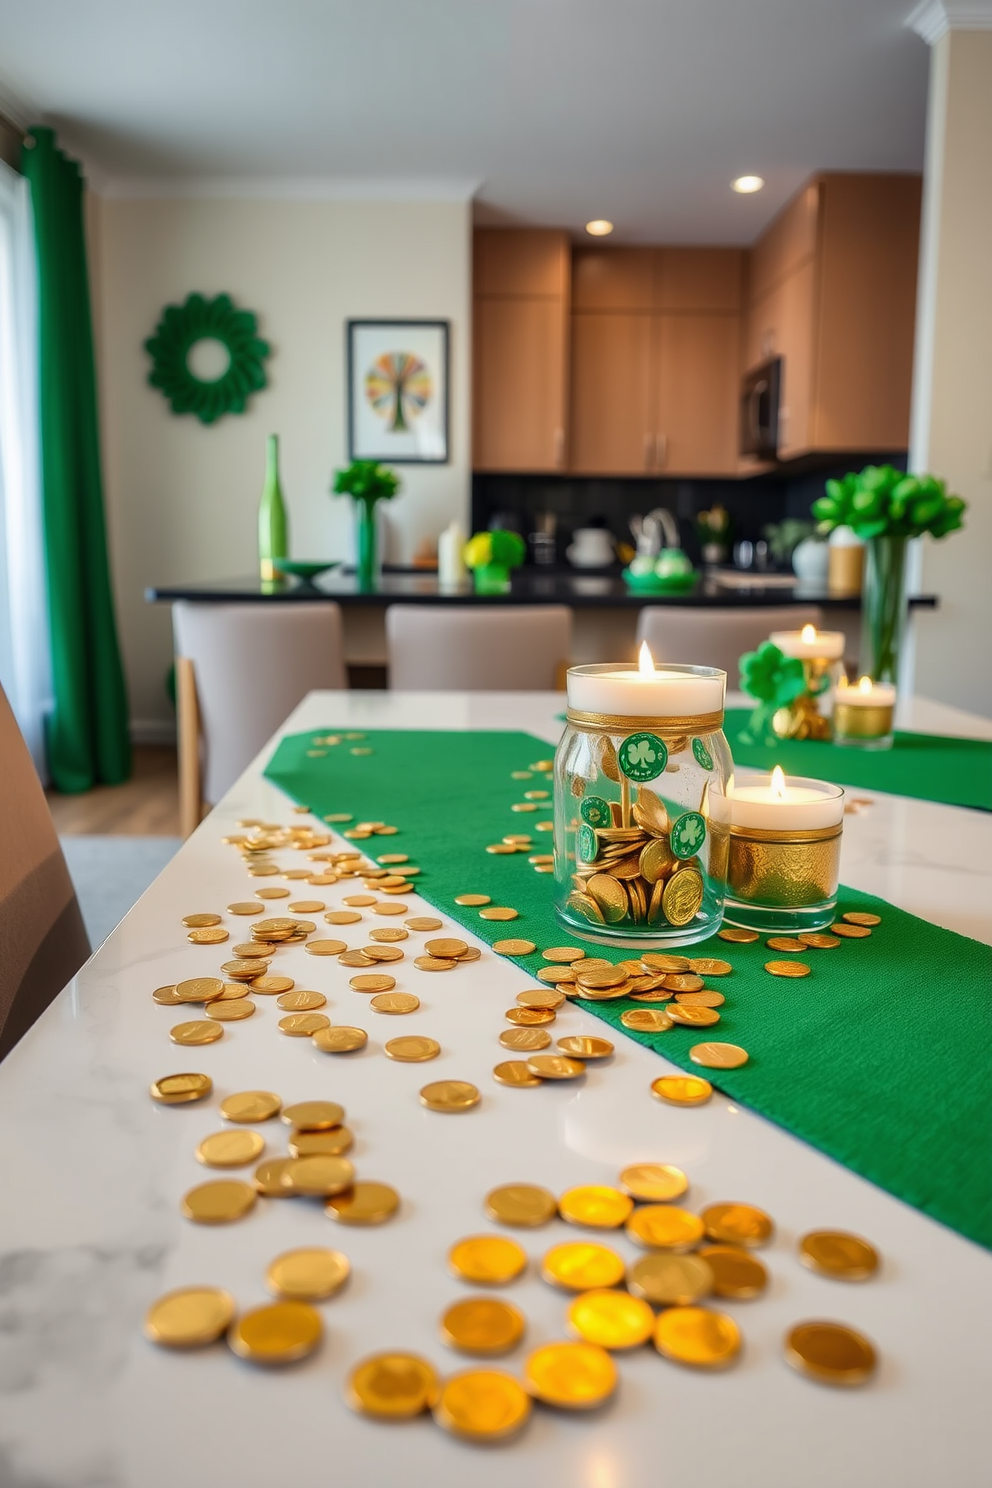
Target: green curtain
pixel 87 736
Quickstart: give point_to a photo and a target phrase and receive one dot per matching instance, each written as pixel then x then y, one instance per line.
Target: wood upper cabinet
pixel 612 410
pixel 696 399
pixel 520 350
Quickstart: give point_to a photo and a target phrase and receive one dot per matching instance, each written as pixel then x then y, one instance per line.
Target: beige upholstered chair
pixel 43 942
pixel 241 669
pixel 716 638
pixel 453 648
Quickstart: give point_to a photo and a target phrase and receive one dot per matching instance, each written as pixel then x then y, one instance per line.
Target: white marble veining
pixel 90 1229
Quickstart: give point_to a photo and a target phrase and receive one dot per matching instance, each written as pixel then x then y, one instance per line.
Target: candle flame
pixel 645 661
pixel 778 783
pixel 808 635
pixel 865 684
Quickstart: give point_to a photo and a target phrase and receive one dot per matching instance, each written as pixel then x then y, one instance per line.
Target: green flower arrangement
pixel 366 482
pixel 881 501
pixel 491 555
pixel 775 680
pixel 200 319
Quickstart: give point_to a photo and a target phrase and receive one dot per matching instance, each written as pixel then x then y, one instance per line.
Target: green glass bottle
pixel 273 524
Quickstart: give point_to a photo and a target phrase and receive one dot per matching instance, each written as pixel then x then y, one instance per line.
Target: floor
pixel 147 805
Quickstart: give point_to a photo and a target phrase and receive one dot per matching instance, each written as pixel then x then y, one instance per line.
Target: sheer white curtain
pixel 25 665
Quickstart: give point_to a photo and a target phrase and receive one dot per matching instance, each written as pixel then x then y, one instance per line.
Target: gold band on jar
pixel 873 721
pixel 616 723
pixel 786 870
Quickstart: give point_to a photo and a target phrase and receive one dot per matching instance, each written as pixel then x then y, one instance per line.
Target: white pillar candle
pixel 646 691
pixel 867 694
pixel 780 803
pixel 810 644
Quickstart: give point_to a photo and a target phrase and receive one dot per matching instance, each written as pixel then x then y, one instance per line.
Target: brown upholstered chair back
pixel 43 940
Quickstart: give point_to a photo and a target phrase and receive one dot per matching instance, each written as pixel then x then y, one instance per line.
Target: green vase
pixel 273 524
pixel 367 566
pixel 884 608
pixel 492 578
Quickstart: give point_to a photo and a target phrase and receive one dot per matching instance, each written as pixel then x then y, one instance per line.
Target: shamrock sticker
pixel 596 812
pixel 588 846
pixel 688 834
pixel 643 756
pixel 702 754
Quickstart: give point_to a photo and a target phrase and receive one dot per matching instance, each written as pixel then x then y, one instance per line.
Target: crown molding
pixel 285 188
pixel 932 19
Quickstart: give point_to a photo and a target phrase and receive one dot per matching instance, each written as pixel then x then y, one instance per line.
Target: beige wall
pixel 952 423
pixel 182 497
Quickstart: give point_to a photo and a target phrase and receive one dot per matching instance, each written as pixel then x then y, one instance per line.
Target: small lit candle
pixel 784 854
pixel 810 644
pixel 863 715
pixel 779 804
pixel 646 691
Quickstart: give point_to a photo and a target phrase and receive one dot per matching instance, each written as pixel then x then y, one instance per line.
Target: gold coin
pixel 555 1067
pixel 214 936
pixel 250 1106
pixel 850 932
pixel 373 982
pixel 572 1376
pixel 498 912
pixel 736 1273
pixel 318 1175
pixel 737 936
pixel 830 1353
pixel 268 893
pixel 446 948
pixel 317 1115
pixel 692 1015
pixel 302 1025
pixel 278 1333
pixel 706 998
pixel 611 1319
pixel 423 922
pixel 384 907
pixel 661 961
pixel 653 1183
pixel 582 1266
pixel 563 955
pixel 389 933
pixel 250 906
pixel 300 1001
pixel 514 947
pixel 501 848
pixel 487 1260
pixel 784 943
pixel 686 981
pixel 230 1010
pixel 556 976
pixel 365 1203
pixel 838 1254
pixel 307 906
pixel 270 986
pixel 523 1205
pixel 413 1049
pixel 359 901
pixel 667 1280
pixel 682 1090
pixel 515 1072
pixel 664 1227
pixel 596 1206
pixel 355 958
pixel 584 1046
pixel 254 950
pixel 166 996
pixel 540 997
pixel 381 953
pixel 718 1056
pixel 243 971
pixel 394 1387
pixel 325 947
pixel 340 1039
pixel 646 1020
pixel 321 1143
pixel 860 917
pixel 342 917
pixel 197 1032
pixel 817 942
pixel 230 1149
pixel 709 966
pixel 200 921
pixel 473 901
pixel 682 896
pixel 529 1017
pixel 482 1325
pixel 233 992
pixel 449 1095
pixel 528 1039
pixel 393 858
pixel 600 978
pixel 433 963
pixel 658 996
pixel 308 1275
pixel 737 1224
pixel 395 1003
pixel 180 1090
pixel 199 989
pixel 698 1337
pixel 189 1317
pixel 788 968
pixel 219 1202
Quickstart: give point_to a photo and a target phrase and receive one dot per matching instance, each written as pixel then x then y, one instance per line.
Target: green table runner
pixel 928 767
pixel 881 1058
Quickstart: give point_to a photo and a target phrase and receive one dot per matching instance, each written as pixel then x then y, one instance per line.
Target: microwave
pixel 761 389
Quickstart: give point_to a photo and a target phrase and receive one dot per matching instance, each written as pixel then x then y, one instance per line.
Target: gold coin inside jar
pixel 572 1376
pixel 278 1333
pixel 487 1260
pixel 682 1090
pixel 596 1206
pixel 482 1325
pixel 340 1039
pixel 311 1274
pixel 180 1090
pixel 393 1386
pixel 718 1056
pixel 528 1040
pixel 220 1202
pixel 301 1001
pixel 611 1319
pixel 395 1003
pixel 316 1115
pixel 482 1405
pixel 449 1095
pixel 664 1227
pixel 581 1266
pixel 584 1046
pixel 653 1183
pixel 736 1273
pixel 230 1149
pixel 830 1353
pixel 515 1072
pixel 197 1032
pixel 524 1205
pixel 737 1224
pixel 190 1317
pixel 698 1337
pixel 667 1280
pixel 838 1254
pixel 365 1203
pixel 302 1025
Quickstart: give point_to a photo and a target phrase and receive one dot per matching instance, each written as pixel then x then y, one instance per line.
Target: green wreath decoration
pixel 178 332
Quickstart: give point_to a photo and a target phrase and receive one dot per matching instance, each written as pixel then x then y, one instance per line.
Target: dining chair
pixel 455 648
pixel 716 638
pixel 241 669
pixel 43 941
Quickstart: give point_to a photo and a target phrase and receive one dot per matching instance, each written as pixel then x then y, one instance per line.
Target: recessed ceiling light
pixel 599 227
pixel 746 184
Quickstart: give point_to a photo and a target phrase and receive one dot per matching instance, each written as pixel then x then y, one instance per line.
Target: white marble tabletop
pixel 91 1232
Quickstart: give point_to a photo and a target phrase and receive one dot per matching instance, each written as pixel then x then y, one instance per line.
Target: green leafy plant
pixel 881 501
pixel 775 680
pixel 366 480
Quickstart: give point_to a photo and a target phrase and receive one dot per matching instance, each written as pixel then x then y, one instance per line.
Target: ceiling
pixel 548 111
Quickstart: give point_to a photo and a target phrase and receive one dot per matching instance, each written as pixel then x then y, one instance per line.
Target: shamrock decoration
pixel 884 502
pixel 596 812
pixel 702 754
pixel 643 756
pixel 688 834
pixel 776 680
pixel 588 845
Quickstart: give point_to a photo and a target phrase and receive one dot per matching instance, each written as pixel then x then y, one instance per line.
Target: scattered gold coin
pixel 819 942
pixel 220 1202
pixel 311 1274
pixel 251 906
pixel 515 1072
pixel 573 1376
pixel 190 1317
pixel 434 963
pixel 230 1010
pixel 333 1143
pixel 737 936
pixel 684 981
pixel 365 1203
pixel 302 1025
pixel 788 968
pixel 830 1353
pixel 540 997
pixel 214 936
pixel 230 1149
pixel 556 976
pixel 583 1046
pixel 596 1206
pixel 267 893
pixel 316 1115
pixel 718 1056
pixel 423 922
pixel 554 1066
pixel 514 947
pixel 482 1405
pixel 413 1049
pixel 395 1003
pixel 524 1205
pixel 709 966
pixel 563 955
pixel 664 1227
pixel 301 1001
pixel 199 989
pixel 449 1096
pixel 272 986
pixel 197 1032
pixel 784 943
pixel 180 1090
pixel 600 978
pixel 611 1319
pixel 372 982
pixel 581 1266
pixel 340 1039
pixel 646 1020
pixel 653 1183
pixel 277 1333
pixel 446 948
pixel 307 906
pixel 393 858
pixel 736 1273
pixel 355 958
pixel 318 1175
pixel 325 947
pixel 243 970
pixel 737 1224
pixel 528 1039
pixel 389 933
pixel 473 901
pixel 682 1090
pixel 385 907
pixel 838 1254
pixel 359 901
pixel 482 1325
pixel 498 912
pixel 342 917
pixel 200 921
pixel 166 996
pixel 395 1387
pixel 487 1260
pixel 667 1280
pixel 698 1337
pixel 529 1017
pixel 861 917
pixel 850 932
pixel 268 1177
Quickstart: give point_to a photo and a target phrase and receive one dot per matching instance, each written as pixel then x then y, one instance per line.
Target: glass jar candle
pixel 641 811
pixel 863 715
pixel 784 857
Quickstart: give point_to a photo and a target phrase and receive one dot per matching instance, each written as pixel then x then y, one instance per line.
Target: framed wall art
pixel 398 391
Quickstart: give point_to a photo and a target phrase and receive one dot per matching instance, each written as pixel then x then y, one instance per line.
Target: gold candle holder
pixel 783 877
pixel 802 719
pixel 864 715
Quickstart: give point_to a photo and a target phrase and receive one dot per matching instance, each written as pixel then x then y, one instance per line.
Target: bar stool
pixel 717 638
pixel 241 669
pixel 455 648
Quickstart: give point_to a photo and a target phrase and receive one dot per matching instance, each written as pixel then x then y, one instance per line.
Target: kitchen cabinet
pixel 612 409
pixel 520 349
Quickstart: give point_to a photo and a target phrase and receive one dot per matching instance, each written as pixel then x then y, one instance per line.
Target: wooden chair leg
pixel 188 719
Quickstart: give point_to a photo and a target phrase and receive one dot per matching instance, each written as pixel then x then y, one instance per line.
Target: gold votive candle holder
pixel 784 855
pixel 863 716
